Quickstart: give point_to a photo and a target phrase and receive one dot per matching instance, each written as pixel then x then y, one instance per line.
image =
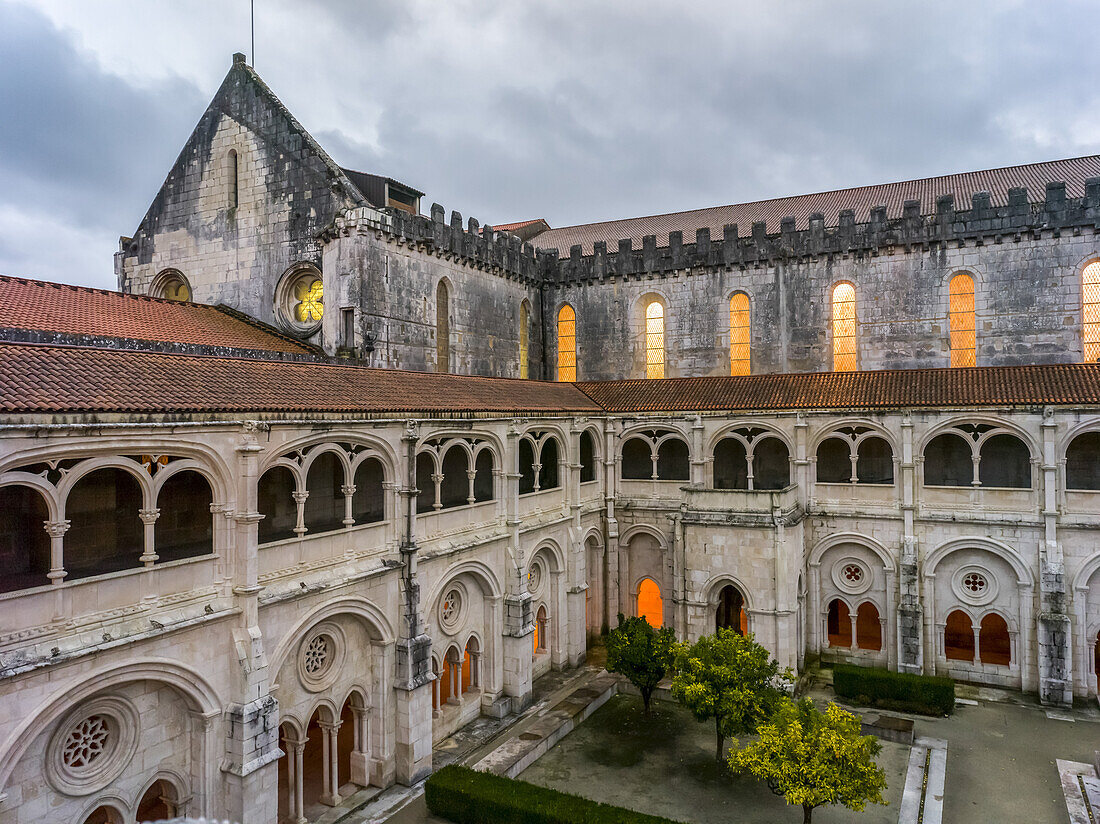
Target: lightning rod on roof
pixel 252 22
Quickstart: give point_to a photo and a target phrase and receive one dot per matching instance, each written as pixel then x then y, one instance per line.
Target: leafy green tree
pixel 813 758
pixel 641 653
pixel 730 678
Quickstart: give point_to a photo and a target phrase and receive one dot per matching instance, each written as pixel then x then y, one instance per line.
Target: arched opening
pixel 839 624
pixel 540 630
pixel 739 334
pixel 232 179
pixel 345 745
pixel 845 357
pixel 313 765
pixel 158 803
pixel 275 500
pixel 567 344
pixel 771 465
pixel 588 457
pixel 874 461
pixel 425 483
pixel 1096 661
pixel 442 328
pixel 834 461
pixel 731 611
pixel 524 321
pixel 637 460
pixel 1005 462
pixel 105 534
pixel 1083 461
pixel 868 627
pixel 731 465
pixel 948 461
pixel 185 526
pixel 961 320
pixel 171 285
pixel 994 642
pixel 526 466
pixel 958 637
pixel 650 604
pixel 1090 311
pixel 655 340
pixel 285 776
pixel 455 488
pixel 483 476
pixel 471 665
pixel 104 815
pixel 24 542
pixel 325 505
pixel 437 690
pixel 672 461
pixel 548 474
pixel 368 503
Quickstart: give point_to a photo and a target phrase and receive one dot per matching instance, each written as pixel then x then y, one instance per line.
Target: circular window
pixel 299 299
pixel 320 657
pixel 534 578
pixel 974 585
pixel 852 576
pixel 450 609
pixel 171 285
pixel 92 746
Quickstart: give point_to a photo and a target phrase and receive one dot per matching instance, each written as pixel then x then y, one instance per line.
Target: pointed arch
pixel 567 343
pixel 442 327
pixel 524 324
pixel 845 350
pixel 961 320
pixel 1090 311
pixel 654 339
pixel 740 334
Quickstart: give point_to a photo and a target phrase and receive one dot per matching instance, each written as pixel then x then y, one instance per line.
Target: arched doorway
pixel 158 803
pixel 650 604
pixel 104 815
pixel 730 613
pixel 958 637
pixel 868 627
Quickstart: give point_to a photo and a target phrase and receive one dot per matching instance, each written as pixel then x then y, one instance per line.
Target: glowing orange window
pixel 655 340
pixel 650 604
pixel 567 344
pixel 844 328
pixel 739 334
pixel 1090 310
pixel 960 315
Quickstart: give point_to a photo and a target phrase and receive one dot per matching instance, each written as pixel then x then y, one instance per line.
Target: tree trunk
pixel 807 814
pixel 721 739
pixel 646 694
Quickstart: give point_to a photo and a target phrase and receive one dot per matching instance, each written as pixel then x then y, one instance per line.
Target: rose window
pixel 309 295
pixel 317 655
pixel 853 573
pixel 85 743
pixel 534 578
pixel 975 583
pixel 450 608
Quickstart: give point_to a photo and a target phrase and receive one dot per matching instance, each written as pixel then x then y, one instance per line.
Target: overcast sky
pixel 570 110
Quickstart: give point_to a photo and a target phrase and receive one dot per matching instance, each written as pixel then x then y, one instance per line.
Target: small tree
pixel 730 678
pixel 813 758
pixel 641 653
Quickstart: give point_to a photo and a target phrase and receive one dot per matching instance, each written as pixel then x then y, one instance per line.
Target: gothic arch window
pixel 368 503
pixel 948 461
pixel 275 501
pixel 106 533
pixel 442 328
pixel 740 334
pixel 650 604
pixel 567 343
pixel 232 179
pixel 845 357
pixel 962 321
pixel 538 463
pixel 750 458
pixel 654 340
pixel 839 624
pixel 958 637
pixel 588 457
pixel 455 487
pixel 1004 461
pixel 977 455
pixel 656 454
pixel 171 285
pixel 185 526
pixel 730 613
pixel 1083 462
pixel 524 321
pixel 24 542
pixel 1090 311
pixel 854 454
pixel 324 509
pixel 994 641
pixel 868 627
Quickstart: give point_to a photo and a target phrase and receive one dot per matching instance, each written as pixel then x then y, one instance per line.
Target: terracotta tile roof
pixel 511 227
pixel 35 305
pixel 1068 383
pixel 38 379
pixel 1073 172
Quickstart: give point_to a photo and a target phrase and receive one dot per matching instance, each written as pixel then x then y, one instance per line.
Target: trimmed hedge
pixel 467 796
pixel 927 694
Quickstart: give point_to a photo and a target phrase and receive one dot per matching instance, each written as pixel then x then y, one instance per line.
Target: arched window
pixel 588 457
pixel 839 624
pixel 1005 462
pixel 526 466
pixel 171 285
pixel 425 483
pixel 868 627
pixel 442 328
pixel 185 526
pixel 844 328
pixel 455 488
pixel 958 637
pixel 368 503
pixel 523 344
pixel 655 340
pixel 731 466
pixel 637 460
pixel 650 604
pixel 24 543
pixel 771 464
pixel 567 344
pixel 739 334
pixel 232 178
pixel 158 803
pixel 548 474
pixel 106 534
pixel 324 509
pixel 948 461
pixel 731 611
pixel 1083 462
pixel 961 320
pixel 471 665
pixel 483 476
pixel 874 461
pixel 1090 311
pixel 104 815
pixel 540 630
pixel 672 461
pixel 275 497
pixel 834 461
pixel 994 643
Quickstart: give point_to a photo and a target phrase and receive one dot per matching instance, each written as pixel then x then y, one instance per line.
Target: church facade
pixel 327 478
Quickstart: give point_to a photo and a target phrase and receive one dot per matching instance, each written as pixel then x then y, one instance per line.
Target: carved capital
pixel 348 489
pixel 57 529
pixel 148 516
pixel 299 497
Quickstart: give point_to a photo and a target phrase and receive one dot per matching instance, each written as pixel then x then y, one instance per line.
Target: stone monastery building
pixel 328 479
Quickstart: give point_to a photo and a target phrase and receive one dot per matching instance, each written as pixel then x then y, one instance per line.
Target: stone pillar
pixel 518 623
pixel 1053 632
pixel 910 618
pixel 296 779
pixel 149 519
pixel 300 503
pixel 610 481
pixel 348 491
pixel 330 767
pixel 360 754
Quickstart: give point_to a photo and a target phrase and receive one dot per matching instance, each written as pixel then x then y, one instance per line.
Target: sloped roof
pixel 38 306
pixel 1064 383
pixel 861 199
pixel 38 379
pixel 373 187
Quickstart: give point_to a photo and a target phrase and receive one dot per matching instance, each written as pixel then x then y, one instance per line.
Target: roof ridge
pixel 267 328
pixel 100 291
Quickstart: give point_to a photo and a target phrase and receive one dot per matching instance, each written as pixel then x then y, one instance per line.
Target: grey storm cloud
pixel 573 111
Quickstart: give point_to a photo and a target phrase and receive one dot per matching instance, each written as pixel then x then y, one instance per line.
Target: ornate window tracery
pixel 655 340
pixel 740 332
pixel 1090 311
pixel 567 344
pixel 962 321
pixel 844 328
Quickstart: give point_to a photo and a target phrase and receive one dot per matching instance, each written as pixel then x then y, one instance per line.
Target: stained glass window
pixel 961 319
pixel 655 340
pixel 309 295
pixel 523 321
pixel 1090 306
pixel 567 344
pixel 739 334
pixel 844 328
pixel 176 289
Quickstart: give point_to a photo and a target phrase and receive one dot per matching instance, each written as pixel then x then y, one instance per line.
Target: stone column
pixel 296 779
pixel 149 519
pixel 1054 629
pixel 56 530
pixel 349 493
pixel 360 754
pixel 330 768
pixel 611 547
pixel 910 617
pixel 518 622
pixel 300 503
